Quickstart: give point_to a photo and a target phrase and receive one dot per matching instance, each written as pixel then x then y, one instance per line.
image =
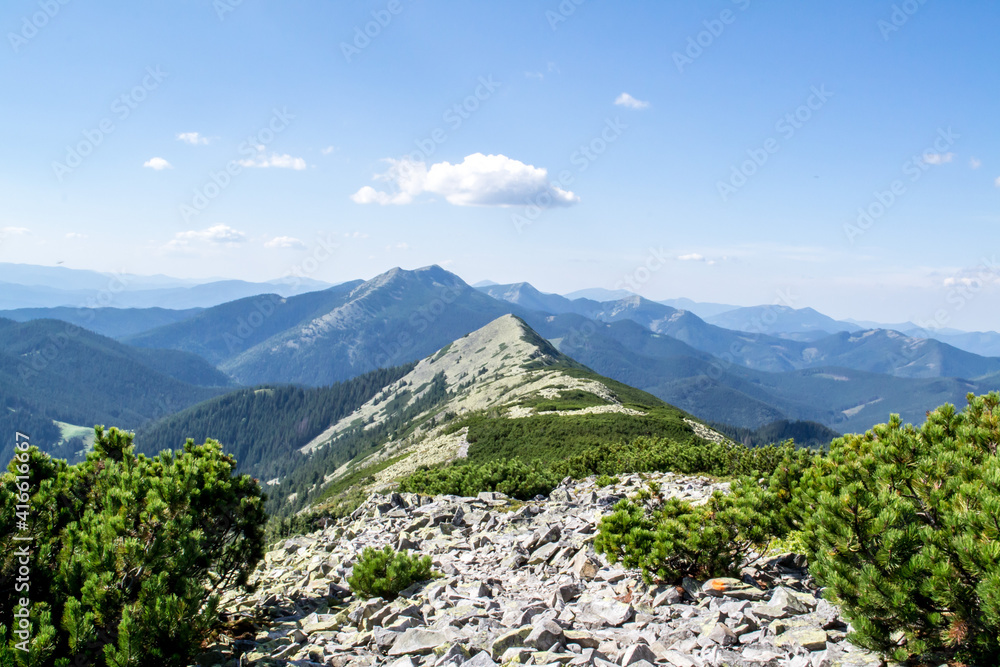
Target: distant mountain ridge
pixel 31 286
pixel 779 319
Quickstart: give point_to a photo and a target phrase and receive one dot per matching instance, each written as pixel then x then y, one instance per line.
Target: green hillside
pixel 264 427
pixel 50 370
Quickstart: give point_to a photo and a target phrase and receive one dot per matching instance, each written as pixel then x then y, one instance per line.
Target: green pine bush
pixel 384 573
pixel 512 477
pixel 606 480
pixel 129 554
pixel 904 526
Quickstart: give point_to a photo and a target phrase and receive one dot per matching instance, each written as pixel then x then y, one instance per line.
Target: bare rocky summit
pixel 520 583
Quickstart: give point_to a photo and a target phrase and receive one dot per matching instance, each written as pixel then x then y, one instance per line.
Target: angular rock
pixel 544 636
pixel 416 641
pixel 811 639
pixel 481 659
pixel 508 640
pixel 608 611
pixel 585 566
pixel 733 588
pixel 722 635
pixel 582 639
pixel 635 654
pixel 790 602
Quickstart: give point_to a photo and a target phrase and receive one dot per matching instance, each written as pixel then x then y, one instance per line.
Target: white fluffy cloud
pixel 218 235
pixel 262 161
pixel 479 180
pixel 285 242
pixel 192 138
pixel 157 163
pixel 626 100
pixel 938 158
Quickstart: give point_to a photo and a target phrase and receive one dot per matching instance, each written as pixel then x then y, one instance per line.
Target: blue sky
pixel 733 168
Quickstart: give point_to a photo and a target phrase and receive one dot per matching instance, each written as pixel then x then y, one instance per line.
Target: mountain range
pixel 747 378
pixel 29 286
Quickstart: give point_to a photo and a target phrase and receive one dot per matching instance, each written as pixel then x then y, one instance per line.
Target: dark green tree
pixel 129 554
pixel 904 525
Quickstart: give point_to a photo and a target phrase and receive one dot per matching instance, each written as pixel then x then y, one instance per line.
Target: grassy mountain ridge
pixel 498 390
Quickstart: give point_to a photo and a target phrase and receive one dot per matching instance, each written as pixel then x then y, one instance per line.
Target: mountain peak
pixel 490 367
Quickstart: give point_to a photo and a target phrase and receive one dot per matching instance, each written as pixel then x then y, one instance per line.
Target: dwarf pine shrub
pixel 904 526
pixel 129 555
pixel 384 573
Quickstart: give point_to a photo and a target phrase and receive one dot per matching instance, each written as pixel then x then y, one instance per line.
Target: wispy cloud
pixel 8 232
pixel 157 163
pixel 218 235
pixel 692 257
pixel 626 100
pixel 938 158
pixel 73 236
pixel 279 161
pixel 975 163
pixel 285 242
pixel 192 138
pixel 328 150
pixel 479 180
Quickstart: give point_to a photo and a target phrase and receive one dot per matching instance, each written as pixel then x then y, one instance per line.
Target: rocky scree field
pixel 519 583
